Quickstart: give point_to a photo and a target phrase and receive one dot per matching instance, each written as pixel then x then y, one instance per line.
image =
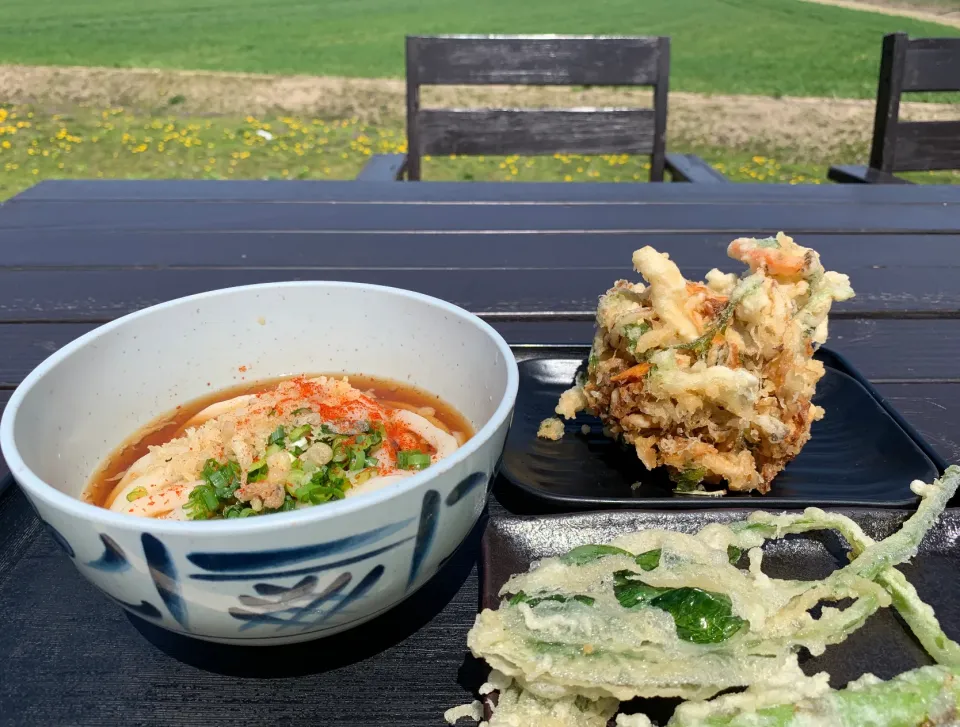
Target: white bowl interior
pixel 120 377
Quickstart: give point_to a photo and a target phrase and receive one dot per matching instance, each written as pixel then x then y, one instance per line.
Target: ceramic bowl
pixel 284 577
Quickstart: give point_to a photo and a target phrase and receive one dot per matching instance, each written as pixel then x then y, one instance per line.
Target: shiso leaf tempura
pixel 713 380
pixel 665 614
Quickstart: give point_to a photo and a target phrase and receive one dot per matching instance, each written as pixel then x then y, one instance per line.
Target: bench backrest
pixel 537 61
pixel 921 64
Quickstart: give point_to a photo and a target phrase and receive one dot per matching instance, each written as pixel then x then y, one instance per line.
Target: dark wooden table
pixel 530 258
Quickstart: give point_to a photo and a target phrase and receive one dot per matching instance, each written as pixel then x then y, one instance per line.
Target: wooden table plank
pixel 321 192
pixel 46 248
pixel 97 295
pixel 883 350
pixel 251 217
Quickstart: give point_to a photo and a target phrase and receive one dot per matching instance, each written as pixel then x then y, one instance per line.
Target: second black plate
pixel 883 646
pixel 862 453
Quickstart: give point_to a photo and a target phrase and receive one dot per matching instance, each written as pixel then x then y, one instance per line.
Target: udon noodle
pixel 278 446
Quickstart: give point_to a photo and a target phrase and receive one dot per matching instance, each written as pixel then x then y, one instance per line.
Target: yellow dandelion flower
pixel 567 178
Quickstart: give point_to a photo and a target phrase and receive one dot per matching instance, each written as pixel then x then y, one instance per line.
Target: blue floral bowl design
pixel 286 577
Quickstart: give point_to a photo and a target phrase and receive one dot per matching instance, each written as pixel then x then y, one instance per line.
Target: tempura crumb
pixel 472 711
pixel 571 401
pixel 551 428
pixel 633 720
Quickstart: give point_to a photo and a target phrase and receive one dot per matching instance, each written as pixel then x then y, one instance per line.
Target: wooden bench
pixel 538 61
pixel 921 64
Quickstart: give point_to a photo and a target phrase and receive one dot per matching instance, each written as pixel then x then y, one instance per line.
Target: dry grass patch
pixel 813 129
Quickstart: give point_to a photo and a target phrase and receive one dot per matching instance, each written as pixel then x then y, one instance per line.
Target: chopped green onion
pixel 258 471
pixel 317 494
pixel 238 510
pixel 273 449
pixel 297 478
pixel 224 478
pixel 372 462
pixel 341 450
pixel 202 503
pixel 298 432
pixel 412 459
pixel 136 493
pixel 277 437
pixel 194 507
pixel 337 478
pixel 326 434
pixel 209 498
pixel 364 475
pixel 372 438
pixel 302 410
pixel 358 459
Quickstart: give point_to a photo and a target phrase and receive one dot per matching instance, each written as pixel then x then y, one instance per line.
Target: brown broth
pixel 392 394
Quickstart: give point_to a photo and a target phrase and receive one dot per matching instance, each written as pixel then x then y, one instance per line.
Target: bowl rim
pixel 33 485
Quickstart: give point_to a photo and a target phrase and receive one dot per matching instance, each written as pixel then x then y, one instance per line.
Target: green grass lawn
pixel 113 143
pixel 769 47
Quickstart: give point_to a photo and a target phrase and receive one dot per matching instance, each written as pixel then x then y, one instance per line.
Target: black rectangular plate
pixel 861 454
pixel 883 646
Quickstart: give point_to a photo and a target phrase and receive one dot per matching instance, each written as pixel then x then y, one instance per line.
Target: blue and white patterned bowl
pixel 286 577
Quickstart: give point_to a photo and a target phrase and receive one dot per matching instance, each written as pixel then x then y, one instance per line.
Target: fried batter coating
pixel 713 380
